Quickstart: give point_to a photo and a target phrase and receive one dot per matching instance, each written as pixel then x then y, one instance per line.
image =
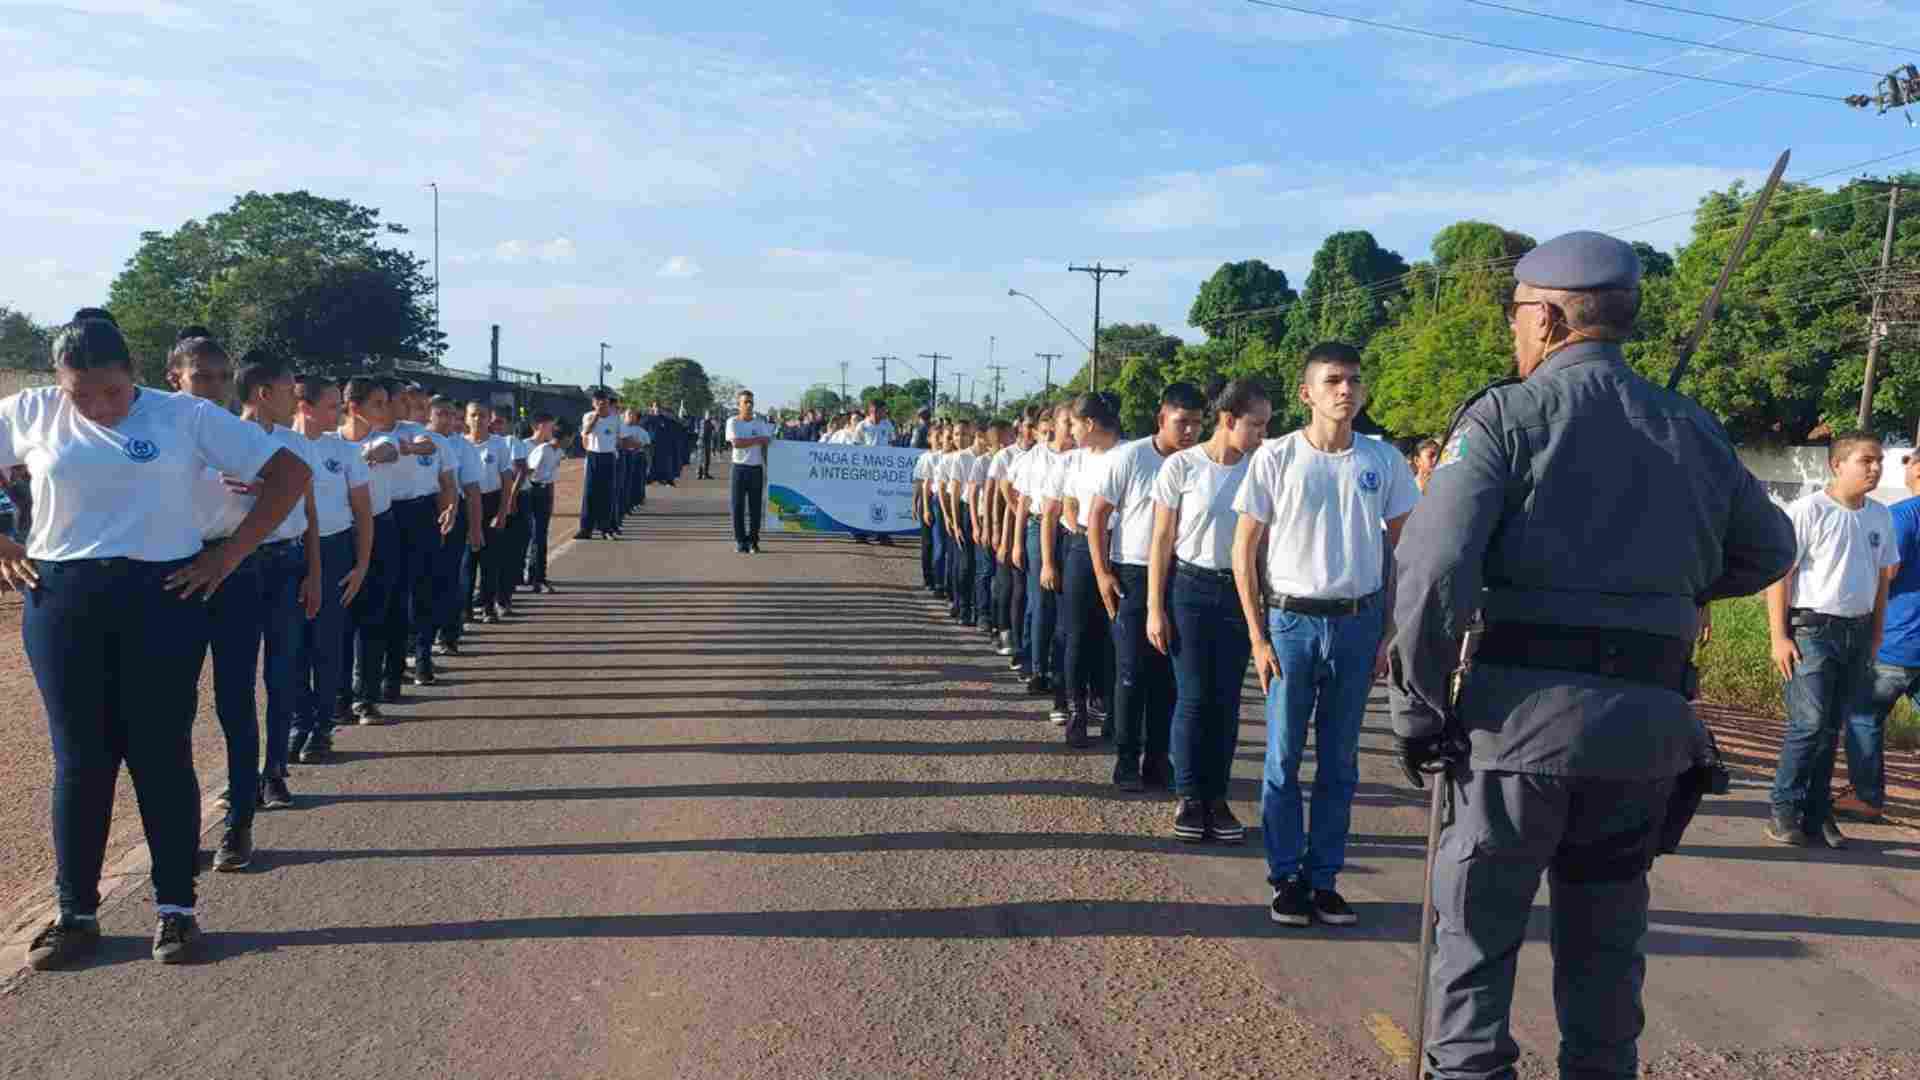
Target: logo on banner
pixel 142 451
pixel 877 513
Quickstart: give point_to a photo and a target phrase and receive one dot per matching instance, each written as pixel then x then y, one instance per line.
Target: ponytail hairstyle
pixel 91 342
pixel 1098 410
pixel 1237 398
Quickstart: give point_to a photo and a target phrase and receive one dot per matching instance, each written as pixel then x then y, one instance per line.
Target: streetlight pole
pixel 438 337
pixel 1050 315
pixel 1099 274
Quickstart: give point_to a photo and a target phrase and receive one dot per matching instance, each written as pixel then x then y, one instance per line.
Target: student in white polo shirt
pixel 440 561
pixel 496 470
pixel 461 546
pixel 1323 506
pixel 955 468
pixel 874 430
pixel 1087 641
pixel 923 514
pixel 417 495
pixel 514 534
pixel 1042 527
pixel 1826 617
pixel 343 513
pixel 363 427
pixel 543 466
pixel 1193 612
pixel 940 437
pixel 600 438
pixel 1009 580
pixel 114 581
pixel 1119 524
pixel 750 439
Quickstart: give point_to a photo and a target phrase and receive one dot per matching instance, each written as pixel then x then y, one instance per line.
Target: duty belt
pixel 1314 605
pixel 1631 655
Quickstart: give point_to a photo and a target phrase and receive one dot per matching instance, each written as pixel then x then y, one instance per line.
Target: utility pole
pixel 1099 274
pixel 493 364
pixel 600 373
pixel 935 382
pixel 1874 330
pixel 997 370
pixel 1049 357
pixel 843 384
pixel 957 395
pixel 438 338
pixel 883 372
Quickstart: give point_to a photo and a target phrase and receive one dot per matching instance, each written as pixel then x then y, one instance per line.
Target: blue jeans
pixel 596 506
pixel 1083 629
pixel 364 662
pixel 1834 674
pixel 1143 677
pixel 985 566
pixel 1326 671
pixel 1043 612
pixel 941 579
pixel 117 659
pixel 446 570
pixel 747 486
pixel 539 510
pixel 236 623
pixel 1867 730
pixel 417 523
pixel 323 643
pixel 1210 654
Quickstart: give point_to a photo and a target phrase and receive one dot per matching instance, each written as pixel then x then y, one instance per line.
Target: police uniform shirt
pixel 382 478
pixel 878 433
pixel 601 434
pixel 1125 478
pixel 420 473
pixel 748 429
pixel 1841 554
pixel 337 469
pixel 1201 492
pixel 543 463
pixel 1325 513
pixel 116 492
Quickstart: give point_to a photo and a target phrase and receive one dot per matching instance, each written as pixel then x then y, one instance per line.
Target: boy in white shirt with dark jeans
pixel 1826 617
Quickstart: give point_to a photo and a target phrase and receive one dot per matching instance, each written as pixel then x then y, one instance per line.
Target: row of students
pixel 327 530
pixel 1152 573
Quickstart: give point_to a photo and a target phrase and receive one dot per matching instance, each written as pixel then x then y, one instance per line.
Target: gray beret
pixel 1580 260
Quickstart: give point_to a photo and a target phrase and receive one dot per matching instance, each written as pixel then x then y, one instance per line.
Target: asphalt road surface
pixel 710 815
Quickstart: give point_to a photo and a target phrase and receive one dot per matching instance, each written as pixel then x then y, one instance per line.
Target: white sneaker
pixel 1059 717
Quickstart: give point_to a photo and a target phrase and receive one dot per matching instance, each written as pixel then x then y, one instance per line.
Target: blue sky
pixel 775 187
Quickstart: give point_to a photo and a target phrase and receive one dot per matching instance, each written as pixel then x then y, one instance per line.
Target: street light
pixel 1050 315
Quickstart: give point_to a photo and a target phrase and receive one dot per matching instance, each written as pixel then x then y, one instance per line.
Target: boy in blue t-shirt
pixel 1896 667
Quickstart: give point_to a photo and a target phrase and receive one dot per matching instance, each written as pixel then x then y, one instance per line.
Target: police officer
pixel 1586 515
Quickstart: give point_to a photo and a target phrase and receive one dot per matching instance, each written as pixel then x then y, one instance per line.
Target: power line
pixel 1465 40
pixel 1669 38
pixel 1769 25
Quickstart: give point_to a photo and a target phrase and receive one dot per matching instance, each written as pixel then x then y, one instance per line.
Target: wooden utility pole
pixel 1874 330
pixel 997 370
pixel 1099 274
pixel 936 358
pixel 1049 357
pixel 883 373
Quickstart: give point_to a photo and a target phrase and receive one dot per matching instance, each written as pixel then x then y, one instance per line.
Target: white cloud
pixel 678 266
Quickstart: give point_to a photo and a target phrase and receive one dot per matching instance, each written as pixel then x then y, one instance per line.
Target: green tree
pixel 23 342
pixel 918 389
pixel 677 383
pixel 820 397
pixel 294 271
pixel 1237 288
pixel 1349 293
pixel 1422 369
pixel 1137 384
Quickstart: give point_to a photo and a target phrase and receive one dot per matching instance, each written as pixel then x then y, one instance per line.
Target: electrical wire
pixel 1463 39
pixel 1670 39
pixel 1769 25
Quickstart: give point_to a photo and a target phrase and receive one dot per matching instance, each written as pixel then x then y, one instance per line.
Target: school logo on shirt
pixel 486 456
pixel 1369 480
pixel 426 462
pixel 141 451
pixel 333 465
pixel 1873 539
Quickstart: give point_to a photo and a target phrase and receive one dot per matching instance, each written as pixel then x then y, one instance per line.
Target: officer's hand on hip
pixel 1266 663
pixel 1786 656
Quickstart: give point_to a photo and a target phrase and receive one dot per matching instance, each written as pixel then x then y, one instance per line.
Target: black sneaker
pixel 448 648
pixel 506 610
pixel 1190 821
pixel 754 546
pixel 885 541
pixel 1831 837
pixel 1222 825
pixel 274 794
pixel 1785 829
pixel 1058 717
pixel 491 617
pixel 859 539
pixel 176 939
pixel 1329 908
pixel 390 693
pixel 235 851
pixel 63 942
pixel 1077 731
pixel 1126 777
pixel 343 711
pixel 424 676
pixel 368 714
pixel 1292 904
pixel 1039 685
pixel 315 751
pixel 1157 771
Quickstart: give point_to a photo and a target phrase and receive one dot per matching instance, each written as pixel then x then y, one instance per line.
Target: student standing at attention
pixel 1324 505
pixel 1826 618
pixel 748 484
pixel 600 438
pixel 343 510
pixel 115 582
pixel 543 464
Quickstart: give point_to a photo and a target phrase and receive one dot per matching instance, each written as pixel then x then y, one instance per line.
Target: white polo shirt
pixel 977 476
pixel 337 468
pixel 543 463
pixel 1029 471
pixel 1326 513
pixel 1841 554
pixel 117 492
pixel 446 459
pixel 748 429
pixel 496 457
pixel 874 434
pixel 601 434
pixel 467 456
pixel 1201 493
pixel 381 478
pixel 954 470
pixel 933 459
pixel 419 473
pixel 1124 477
pixel 226 508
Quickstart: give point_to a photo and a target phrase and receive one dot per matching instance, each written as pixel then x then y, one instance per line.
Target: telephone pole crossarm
pixel 1099 274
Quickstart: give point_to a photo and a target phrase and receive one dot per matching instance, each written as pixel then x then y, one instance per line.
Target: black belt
pixel 1631 655
pixel 540 483
pixel 265 545
pixel 1205 573
pixel 1315 605
pixel 1810 617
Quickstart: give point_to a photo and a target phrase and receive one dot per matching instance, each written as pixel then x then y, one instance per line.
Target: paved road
pixel 707 815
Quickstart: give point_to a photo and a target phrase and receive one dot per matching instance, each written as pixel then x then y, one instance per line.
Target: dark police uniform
pixel 1584 514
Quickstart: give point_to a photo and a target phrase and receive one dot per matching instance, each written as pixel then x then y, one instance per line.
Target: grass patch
pixel 1736 670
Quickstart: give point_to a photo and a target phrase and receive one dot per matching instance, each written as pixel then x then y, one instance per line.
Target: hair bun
pixel 192 330
pixel 86 313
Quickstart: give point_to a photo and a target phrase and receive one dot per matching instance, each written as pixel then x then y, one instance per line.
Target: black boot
pixel 1077 725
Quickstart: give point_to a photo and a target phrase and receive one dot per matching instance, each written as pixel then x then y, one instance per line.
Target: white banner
pixel 822 487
